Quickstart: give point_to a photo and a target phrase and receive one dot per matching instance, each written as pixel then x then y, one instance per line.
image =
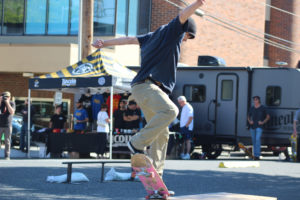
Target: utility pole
pixel 87 27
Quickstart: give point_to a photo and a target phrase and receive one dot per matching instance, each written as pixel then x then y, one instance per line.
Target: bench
pixel 103 162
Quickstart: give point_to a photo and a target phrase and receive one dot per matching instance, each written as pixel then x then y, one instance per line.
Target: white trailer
pixel 221 98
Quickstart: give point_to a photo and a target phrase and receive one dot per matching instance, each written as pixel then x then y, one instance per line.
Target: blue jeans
pixel 256 135
pixel 23 136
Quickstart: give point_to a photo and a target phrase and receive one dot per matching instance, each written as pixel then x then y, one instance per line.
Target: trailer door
pixel 226 104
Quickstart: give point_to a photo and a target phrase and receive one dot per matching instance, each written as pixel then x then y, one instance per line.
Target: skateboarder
pixel 160 52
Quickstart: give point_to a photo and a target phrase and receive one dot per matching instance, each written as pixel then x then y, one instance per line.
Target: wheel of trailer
pixel 212 151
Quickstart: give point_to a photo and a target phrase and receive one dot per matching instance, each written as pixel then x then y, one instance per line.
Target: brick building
pixel 44 40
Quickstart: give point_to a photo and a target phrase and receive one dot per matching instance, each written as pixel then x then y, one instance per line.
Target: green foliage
pixel 13 11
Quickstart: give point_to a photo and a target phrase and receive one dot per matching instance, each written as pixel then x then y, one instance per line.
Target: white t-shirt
pixel 102 116
pixel 187 112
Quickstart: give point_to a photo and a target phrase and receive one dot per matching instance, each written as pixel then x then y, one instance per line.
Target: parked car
pixel 16 129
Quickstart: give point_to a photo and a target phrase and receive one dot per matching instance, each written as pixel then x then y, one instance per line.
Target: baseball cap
pixel 6 94
pixel 192 28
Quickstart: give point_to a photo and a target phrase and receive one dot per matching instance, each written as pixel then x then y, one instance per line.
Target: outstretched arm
pixel 188 11
pixel 116 41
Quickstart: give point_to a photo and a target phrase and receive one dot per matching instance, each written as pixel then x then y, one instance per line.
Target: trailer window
pixel 227 90
pixel 194 93
pixel 273 96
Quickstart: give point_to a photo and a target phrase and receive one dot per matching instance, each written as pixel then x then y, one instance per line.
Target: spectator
pixel 86 100
pixel 103 122
pixel 24 128
pixel 132 116
pixel 296 121
pixel 257 117
pixel 81 117
pixel 186 126
pixel 58 120
pixel 7 110
pixel 118 115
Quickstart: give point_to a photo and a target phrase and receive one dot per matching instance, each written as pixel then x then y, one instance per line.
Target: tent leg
pixel 28 125
pixel 111 121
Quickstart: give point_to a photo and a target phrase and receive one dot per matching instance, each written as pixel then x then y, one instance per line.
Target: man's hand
pixel 260 123
pixel 251 122
pixel 98 44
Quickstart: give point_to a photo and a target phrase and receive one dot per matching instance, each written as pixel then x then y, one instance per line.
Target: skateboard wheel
pixel 165 196
pixel 147 197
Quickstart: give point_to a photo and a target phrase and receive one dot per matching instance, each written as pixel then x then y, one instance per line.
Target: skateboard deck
pixel 154 185
pixel 294 145
pixel 246 150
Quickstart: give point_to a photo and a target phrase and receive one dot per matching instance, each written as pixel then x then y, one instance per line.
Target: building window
pixel 273 96
pixel 133 17
pixel 1 16
pixel 74 17
pixel 61 17
pixel 227 90
pixel 58 17
pixel 13 17
pixel 36 17
pixel 122 13
pixel 104 17
pixel 194 93
pixel 144 16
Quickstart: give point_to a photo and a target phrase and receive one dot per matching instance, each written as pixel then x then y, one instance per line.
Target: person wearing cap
pixel 257 118
pixel 7 110
pixel 160 53
pixel 186 126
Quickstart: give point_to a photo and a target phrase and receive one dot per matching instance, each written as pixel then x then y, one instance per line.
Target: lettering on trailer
pixel 120 140
pixel 68 82
pixel 280 120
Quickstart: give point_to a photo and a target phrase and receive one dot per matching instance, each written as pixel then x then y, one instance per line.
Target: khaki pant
pixel 159 112
pixel 7 135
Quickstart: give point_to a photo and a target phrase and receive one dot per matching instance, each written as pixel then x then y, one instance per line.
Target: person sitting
pixel 132 116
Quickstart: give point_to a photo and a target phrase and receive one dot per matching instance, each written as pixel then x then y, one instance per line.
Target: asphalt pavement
pixel 23 178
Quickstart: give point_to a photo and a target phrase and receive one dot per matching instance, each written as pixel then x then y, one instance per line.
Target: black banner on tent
pixel 70 82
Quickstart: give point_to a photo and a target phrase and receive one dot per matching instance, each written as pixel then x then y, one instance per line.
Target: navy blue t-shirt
pixel 160 52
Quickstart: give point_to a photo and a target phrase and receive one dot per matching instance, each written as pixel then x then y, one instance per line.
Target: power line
pixel 279 9
pixel 235 28
pixel 249 28
pixel 257 31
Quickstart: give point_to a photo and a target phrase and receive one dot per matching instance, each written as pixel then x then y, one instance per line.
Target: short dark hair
pixel 256 97
pixel 104 105
pixel 58 106
pixel 132 102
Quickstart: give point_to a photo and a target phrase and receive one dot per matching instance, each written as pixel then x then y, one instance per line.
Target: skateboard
pixel 246 150
pixel 154 185
pixel 294 145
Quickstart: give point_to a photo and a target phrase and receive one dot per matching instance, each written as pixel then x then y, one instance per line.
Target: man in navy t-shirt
pixel 160 52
